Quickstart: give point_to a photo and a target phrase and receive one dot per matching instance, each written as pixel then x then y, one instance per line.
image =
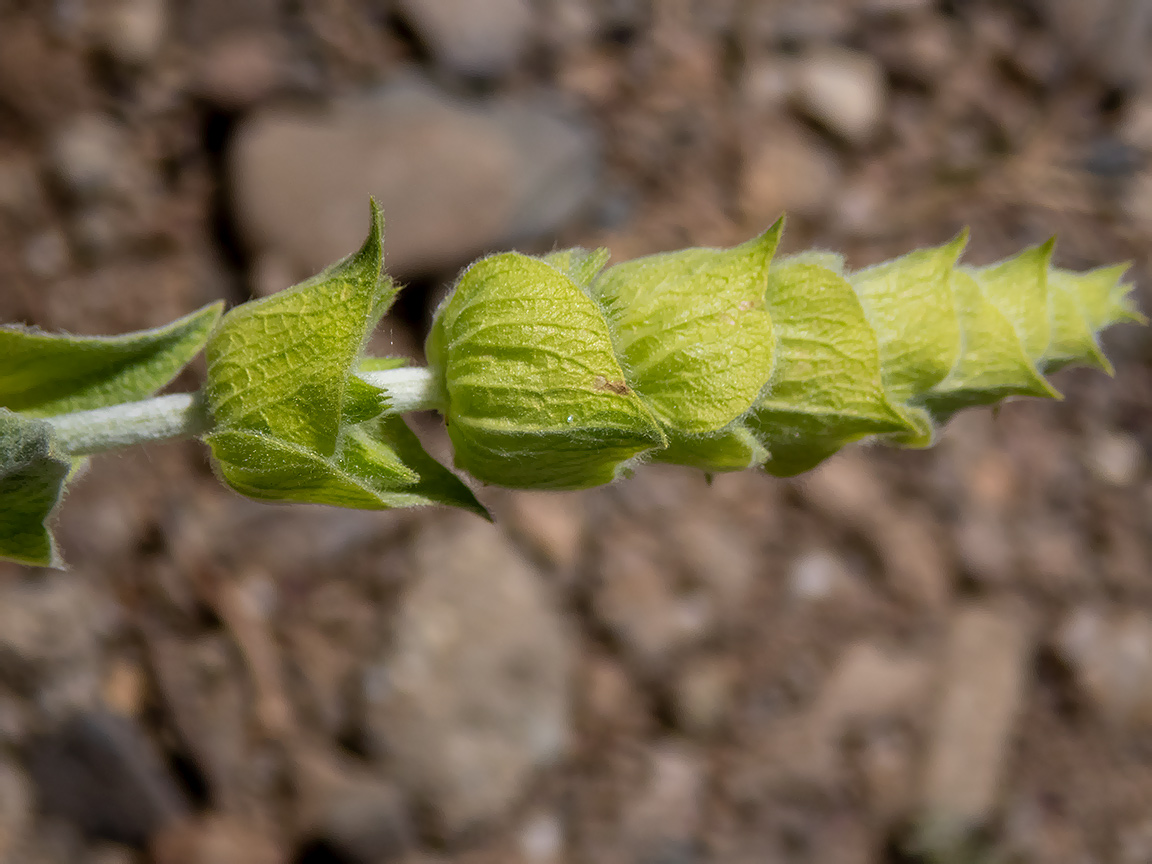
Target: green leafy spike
pixel 31 487
pixel 580 265
pixel 1104 298
pixel 693 332
pixel 292 423
pixel 733 449
pixel 827 389
pixel 745 361
pixel 1018 287
pixel 555 373
pixel 909 304
pixel 43 374
pixel 992 363
pixel 535 395
pixel 1072 338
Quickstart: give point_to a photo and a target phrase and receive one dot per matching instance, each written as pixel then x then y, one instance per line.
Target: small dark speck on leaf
pixel 617 387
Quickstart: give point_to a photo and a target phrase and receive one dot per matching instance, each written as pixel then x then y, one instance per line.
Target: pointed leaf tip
pixel 292 422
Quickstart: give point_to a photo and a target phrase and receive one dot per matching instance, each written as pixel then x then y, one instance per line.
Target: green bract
pixel 827 388
pixel 912 310
pixel 291 422
pixel 535 396
pixel 694 332
pixel 992 363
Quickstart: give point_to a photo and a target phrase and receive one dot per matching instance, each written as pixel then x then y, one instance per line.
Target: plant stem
pixel 183 415
pixel 81 433
pixel 409 388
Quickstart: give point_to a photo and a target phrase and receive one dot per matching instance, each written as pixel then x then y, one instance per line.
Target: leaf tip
pixel 376 213
pixel 372 251
pixel 763 246
pixel 771 238
pixel 956 246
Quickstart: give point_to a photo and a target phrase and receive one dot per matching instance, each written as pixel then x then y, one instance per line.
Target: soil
pixel 720 710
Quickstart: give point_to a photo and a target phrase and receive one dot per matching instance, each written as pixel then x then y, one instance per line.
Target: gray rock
pixel 984 546
pixel 819 575
pixel 17 718
pixel 766 84
pixel 218 838
pixel 541 839
pixel 91 156
pixel 99 772
pixel 51 842
pixel 50 622
pixel 638 603
pixel 111 853
pixel 16 806
pixel 1134 843
pixel 1136 198
pixel 549 525
pixel 887 765
pixel 787 171
pixel 237 71
pixel 20 194
pixel 111 187
pixel 844 91
pixel 1135 126
pixel 703 695
pixel 1053 552
pixel 662 820
pixel 99 231
pixel 130 31
pixel 473 697
pixel 895 8
pixel 471 38
pixel 359 814
pixel 663 594
pixel 205 20
pixel 51 634
pixel 1111 658
pixel 985 674
pixel 870 684
pixel 1112 35
pixel 816 21
pixel 568 24
pixel 868 688
pixel 846 490
pixel 624 14
pixel 453 178
pixel 46 254
pixel 924 52
pixel 860 206
pixel 1116 458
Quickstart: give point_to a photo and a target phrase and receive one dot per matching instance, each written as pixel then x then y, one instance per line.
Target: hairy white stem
pixel 84 432
pixel 410 388
pixel 183 415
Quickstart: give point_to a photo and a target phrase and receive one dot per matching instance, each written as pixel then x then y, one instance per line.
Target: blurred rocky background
pixel 938 656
